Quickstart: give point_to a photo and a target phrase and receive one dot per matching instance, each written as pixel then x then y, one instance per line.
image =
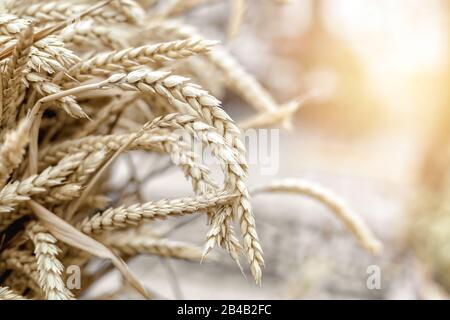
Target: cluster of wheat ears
pixel 83 82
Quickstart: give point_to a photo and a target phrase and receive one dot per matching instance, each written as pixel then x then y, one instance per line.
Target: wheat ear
pixel 13 149
pixel 191 98
pixel 18 192
pixel 49 267
pixel 338 206
pixel 13 76
pixel 52 12
pixel 122 217
pixel 131 245
pixel 116 61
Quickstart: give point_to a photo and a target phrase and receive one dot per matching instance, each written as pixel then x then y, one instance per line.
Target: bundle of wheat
pixel 78 90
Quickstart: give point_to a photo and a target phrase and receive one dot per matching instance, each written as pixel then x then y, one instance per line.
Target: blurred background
pixel 377 133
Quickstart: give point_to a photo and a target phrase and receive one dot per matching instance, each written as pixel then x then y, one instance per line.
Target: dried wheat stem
pixel 36 115
pixel 236 17
pixel 49 267
pixel 122 217
pixel 181 6
pixel 270 118
pixel 354 222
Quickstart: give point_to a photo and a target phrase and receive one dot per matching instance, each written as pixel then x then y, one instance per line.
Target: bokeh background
pixel 377 133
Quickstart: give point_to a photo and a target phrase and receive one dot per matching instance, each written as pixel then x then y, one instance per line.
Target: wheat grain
pixel 12 25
